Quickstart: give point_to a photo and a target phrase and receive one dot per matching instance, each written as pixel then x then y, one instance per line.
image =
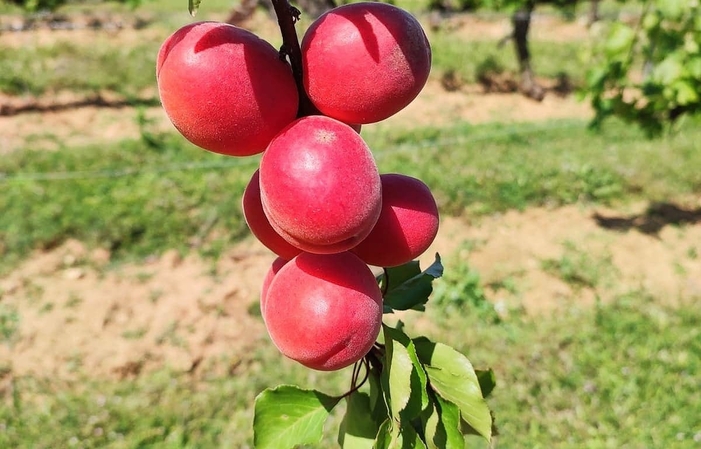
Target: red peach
pixel 258 223
pixel 278 263
pixel 320 186
pixel 225 89
pixel 364 62
pixel 324 311
pixel 407 226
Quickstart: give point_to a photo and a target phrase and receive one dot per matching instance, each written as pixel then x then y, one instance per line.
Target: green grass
pixel 488 168
pixel 163 409
pixel 9 323
pixel 581 269
pixel 78 67
pixel 169 199
pixel 622 375
pixel 137 199
pixel 619 375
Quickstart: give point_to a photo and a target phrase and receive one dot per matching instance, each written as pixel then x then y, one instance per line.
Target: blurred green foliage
pixel 649 72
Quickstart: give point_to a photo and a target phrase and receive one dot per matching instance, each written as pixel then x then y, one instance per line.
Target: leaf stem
pixel 356 373
pixel 287 16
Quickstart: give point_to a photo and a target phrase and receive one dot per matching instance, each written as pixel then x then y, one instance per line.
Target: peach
pixel 364 62
pixel 407 226
pixel 225 89
pixel 320 187
pixel 278 263
pixel 258 223
pixel 324 311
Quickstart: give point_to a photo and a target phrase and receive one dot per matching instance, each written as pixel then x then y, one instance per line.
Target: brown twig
pixel 287 16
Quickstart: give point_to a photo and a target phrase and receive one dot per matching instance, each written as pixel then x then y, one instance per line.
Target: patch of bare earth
pixel 570 256
pixel 86 36
pixel 78 316
pixel 437 108
pixel 66 127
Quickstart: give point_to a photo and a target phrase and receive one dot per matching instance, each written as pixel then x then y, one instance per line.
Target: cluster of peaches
pixel 317 199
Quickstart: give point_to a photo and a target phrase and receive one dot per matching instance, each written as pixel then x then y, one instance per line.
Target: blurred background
pixel 561 141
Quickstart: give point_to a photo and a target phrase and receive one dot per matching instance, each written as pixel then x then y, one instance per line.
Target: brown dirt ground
pixel 78 313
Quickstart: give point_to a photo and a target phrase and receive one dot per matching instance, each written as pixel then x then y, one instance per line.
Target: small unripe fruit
pixel 258 223
pixel 407 226
pixel 364 62
pixel 225 89
pixel 320 186
pixel 324 311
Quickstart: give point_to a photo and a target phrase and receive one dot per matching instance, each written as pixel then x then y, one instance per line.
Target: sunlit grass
pixel 618 375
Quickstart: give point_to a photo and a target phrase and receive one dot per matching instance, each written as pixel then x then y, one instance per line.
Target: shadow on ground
pixel 34 105
pixel 651 222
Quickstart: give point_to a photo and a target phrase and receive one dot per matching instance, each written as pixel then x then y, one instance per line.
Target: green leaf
pixel 691 45
pixel 396 276
pixel 442 425
pixel 452 376
pixel 409 287
pixel 193 6
pixel 596 77
pixel 694 67
pixel 650 22
pixel 384 435
pixel 358 429
pixel 393 436
pixel 397 375
pixel 669 70
pixel 672 9
pixel 408 438
pixel 686 94
pixel 487 381
pixel 287 416
pixel 619 40
pixel 378 407
pixel 406 378
pixel 467 429
pixel 434 432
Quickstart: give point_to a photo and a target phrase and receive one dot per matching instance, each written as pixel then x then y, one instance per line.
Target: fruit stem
pixel 287 16
pixel 385 282
pixel 355 385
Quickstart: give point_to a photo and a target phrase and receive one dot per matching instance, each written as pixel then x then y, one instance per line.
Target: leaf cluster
pixel 649 73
